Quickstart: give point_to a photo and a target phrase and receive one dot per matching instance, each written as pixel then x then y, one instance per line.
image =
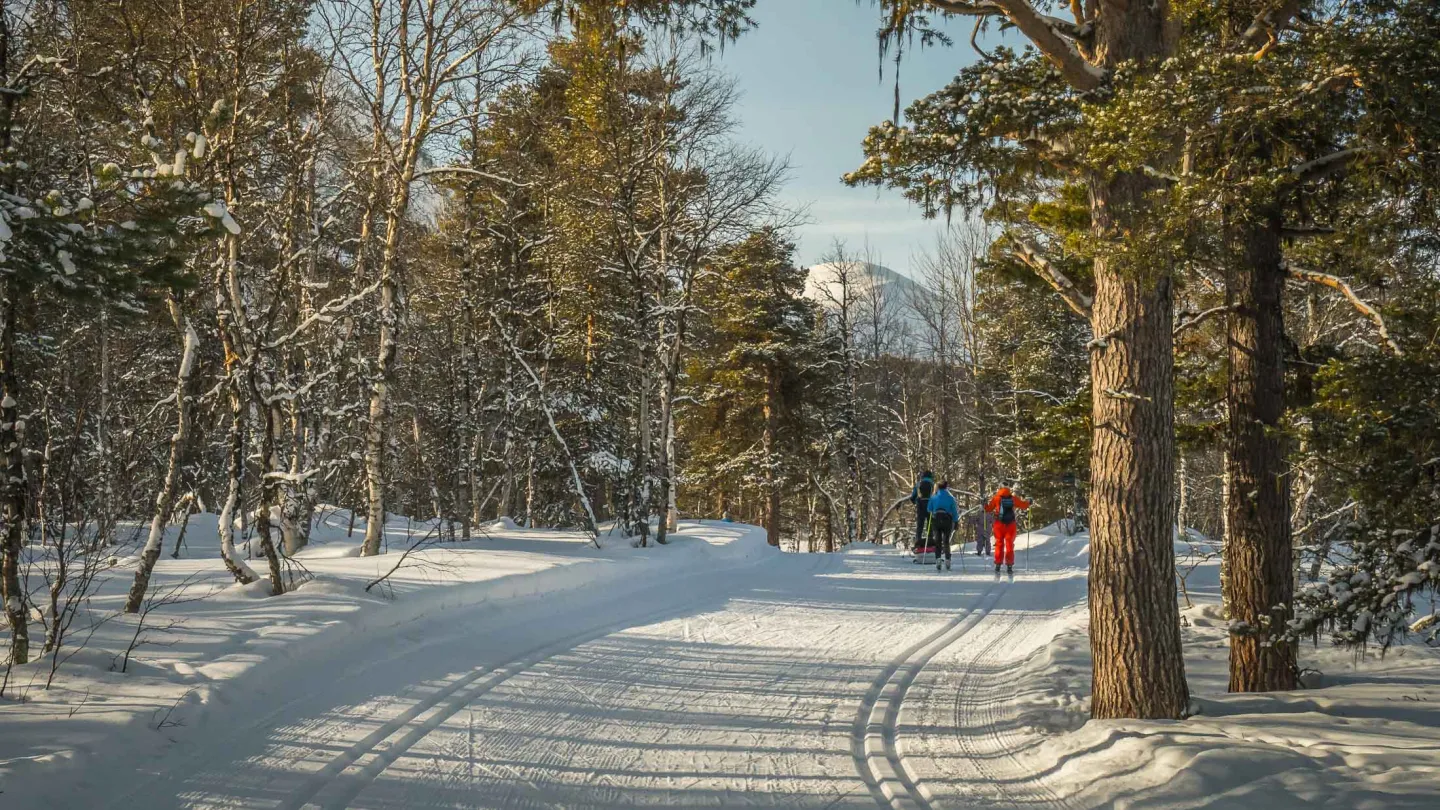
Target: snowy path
pixel 802 681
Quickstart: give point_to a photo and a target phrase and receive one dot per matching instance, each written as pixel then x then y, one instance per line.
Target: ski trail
pixel 319 730
pixel 876 751
pixel 768 684
pixel 346 776
pixel 961 735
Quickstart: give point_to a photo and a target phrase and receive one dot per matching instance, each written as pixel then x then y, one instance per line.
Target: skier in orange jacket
pixel 1003 505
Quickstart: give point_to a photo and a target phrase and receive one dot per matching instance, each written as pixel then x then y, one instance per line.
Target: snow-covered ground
pixel 529 670
pixel 1000 717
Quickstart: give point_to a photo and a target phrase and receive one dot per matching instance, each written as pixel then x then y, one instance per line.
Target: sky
pixel 810 89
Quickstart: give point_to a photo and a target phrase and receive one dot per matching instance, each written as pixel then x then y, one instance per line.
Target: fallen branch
pixel 426 539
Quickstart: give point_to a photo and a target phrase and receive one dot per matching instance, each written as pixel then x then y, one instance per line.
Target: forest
pixel 459 260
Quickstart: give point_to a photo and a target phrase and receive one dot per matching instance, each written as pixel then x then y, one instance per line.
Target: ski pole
pixel 1027 542
pixel 930 537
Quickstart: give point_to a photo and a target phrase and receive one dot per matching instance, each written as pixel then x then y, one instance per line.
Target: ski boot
pixel 1010 572
pixel 938 562
pixel 997 570
pixel 947 563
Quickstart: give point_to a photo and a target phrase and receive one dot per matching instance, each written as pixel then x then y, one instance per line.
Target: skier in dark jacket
pixel 920 496
pixel 944 516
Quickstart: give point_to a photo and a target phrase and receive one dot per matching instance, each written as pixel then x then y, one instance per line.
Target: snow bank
pixel 1365 738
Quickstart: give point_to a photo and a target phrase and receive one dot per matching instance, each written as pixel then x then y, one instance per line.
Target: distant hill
pixel 894 292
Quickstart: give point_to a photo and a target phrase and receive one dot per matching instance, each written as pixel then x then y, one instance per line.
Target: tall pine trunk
pixel 772 487
pixel 1139 670
pixel 1134 616
pixel 1260 586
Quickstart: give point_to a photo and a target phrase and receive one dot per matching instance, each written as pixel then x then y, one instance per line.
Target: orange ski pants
pixel 1004 543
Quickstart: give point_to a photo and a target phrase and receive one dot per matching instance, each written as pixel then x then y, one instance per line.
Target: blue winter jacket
pixel 943 501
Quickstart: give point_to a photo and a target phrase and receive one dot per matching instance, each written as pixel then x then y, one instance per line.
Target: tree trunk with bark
pixel 15 487
pixel 269 494
pixel 165 499
pixel 235 447
pixel 772 488
pixel 1260 587
pixel 1139 670
pixel 380 393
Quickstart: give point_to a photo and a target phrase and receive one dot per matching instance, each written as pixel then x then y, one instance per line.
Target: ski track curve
pixel 745 685
pixel 319 729
pixel 876 738
pixel 346 776
pixel 967 728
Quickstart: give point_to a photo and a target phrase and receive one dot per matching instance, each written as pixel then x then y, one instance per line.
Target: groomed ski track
pixel 850 680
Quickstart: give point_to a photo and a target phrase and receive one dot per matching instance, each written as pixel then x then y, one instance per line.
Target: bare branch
pixel 1337 283
pixel 1054 37
pixel 1073 296
pixel 1195 320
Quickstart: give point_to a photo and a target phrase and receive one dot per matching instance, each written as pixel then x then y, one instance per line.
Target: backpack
pixel 1007 510
pixel 924 489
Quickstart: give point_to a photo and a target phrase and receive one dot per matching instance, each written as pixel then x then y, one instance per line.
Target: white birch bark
pixel 165 499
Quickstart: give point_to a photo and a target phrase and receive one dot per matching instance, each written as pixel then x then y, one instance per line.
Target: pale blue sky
pixel 810 89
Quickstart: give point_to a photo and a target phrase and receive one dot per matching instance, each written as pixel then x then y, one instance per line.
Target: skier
pixel 944 515
pixel 1003 506
pixel 980 529
pixel 920 496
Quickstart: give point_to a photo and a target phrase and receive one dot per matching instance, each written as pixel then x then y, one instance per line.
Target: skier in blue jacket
pixel 944 516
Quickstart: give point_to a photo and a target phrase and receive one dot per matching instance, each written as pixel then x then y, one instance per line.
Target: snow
pixel 218 210
pixel 529 669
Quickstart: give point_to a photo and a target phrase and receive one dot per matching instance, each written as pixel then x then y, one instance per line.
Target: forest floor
pixel 530 670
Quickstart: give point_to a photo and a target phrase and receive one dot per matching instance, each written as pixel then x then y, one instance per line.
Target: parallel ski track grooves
pixel 283 707
pixel 986 707
pixel 873 742
pixel 613 690
pixel 371 757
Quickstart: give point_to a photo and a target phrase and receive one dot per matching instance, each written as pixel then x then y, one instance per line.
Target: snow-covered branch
pixel 324 314
pixel 1338 284
pixel 1269 23
pixel 1192 321
pixel 1326 165
pixel 1074 297
pixel 469 172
